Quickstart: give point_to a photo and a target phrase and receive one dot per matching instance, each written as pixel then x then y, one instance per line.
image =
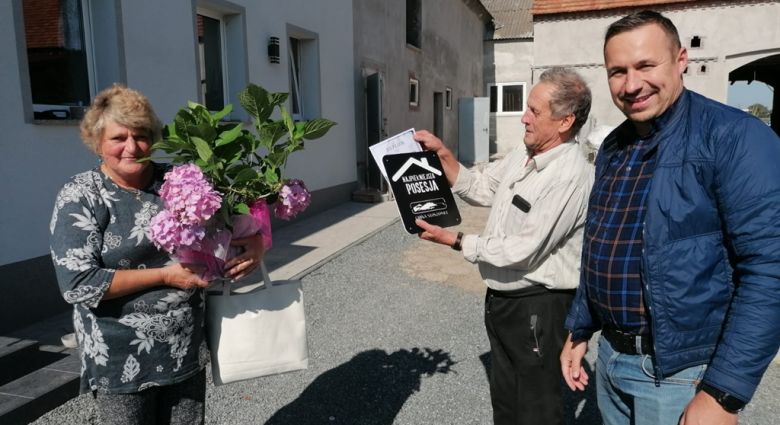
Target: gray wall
pixel 451 56
pixel 734 35
pixel 508 61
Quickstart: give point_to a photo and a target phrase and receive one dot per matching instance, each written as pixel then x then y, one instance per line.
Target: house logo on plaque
pixel 421 190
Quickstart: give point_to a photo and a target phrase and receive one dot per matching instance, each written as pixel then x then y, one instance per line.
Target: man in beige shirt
pixel 528 258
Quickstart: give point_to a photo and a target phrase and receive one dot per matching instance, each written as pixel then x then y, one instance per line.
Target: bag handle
pixel 227 284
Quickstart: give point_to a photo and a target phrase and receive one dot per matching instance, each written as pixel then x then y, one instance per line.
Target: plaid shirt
pixel 612 252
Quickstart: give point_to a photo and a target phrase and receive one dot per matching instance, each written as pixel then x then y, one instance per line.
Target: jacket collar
pixel 626 132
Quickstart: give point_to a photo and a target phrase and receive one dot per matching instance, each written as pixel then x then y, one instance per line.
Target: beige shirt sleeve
pixel 478 188
pixel 534 235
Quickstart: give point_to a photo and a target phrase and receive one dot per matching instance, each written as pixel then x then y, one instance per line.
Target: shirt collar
pixel 626 132
pixel 544 159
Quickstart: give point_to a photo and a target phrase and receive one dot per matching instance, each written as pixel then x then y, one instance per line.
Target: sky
pixel 741 95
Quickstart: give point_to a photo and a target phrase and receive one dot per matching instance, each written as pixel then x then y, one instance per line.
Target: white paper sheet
pixel 400 143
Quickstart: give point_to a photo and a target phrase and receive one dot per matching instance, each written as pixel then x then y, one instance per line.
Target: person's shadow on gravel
pixel 371 388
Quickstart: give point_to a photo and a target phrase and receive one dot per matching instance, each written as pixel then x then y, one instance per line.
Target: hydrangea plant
pixel 244 167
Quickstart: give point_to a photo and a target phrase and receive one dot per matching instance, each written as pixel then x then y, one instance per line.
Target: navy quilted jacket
pixel 711 250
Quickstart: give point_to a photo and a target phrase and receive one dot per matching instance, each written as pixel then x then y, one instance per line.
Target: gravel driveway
pixel 387 346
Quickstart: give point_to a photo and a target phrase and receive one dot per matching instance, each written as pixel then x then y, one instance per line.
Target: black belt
pixel 627 343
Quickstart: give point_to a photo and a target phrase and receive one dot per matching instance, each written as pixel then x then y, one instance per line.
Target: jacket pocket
pixel 695 282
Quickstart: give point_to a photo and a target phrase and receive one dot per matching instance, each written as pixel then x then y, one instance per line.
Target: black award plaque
pixel 421 190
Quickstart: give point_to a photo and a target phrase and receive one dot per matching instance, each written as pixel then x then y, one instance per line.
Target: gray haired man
pixel 529 258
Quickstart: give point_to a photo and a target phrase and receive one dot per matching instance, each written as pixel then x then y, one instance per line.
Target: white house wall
pixel 733 35
pixel 508 61
pixel 450 56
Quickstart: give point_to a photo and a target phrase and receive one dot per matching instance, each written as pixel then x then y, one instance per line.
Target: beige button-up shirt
pixel 543 246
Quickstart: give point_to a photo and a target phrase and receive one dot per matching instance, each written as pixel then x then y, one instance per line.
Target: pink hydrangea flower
pixel 189 196
pixel 165 230
pixel 293 198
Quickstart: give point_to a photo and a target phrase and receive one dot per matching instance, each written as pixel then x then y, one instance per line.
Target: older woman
pixel 138 318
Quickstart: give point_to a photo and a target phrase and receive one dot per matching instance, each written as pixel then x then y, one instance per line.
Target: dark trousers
pixel 526 333
pixel 177 404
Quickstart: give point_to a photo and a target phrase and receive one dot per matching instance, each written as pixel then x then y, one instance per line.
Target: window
pixel 295 79
pixel 414 23
pixel 686 71
pixel 211 57
pixel 304 73
pixel 59 56
pixel 507 98
pixel 696 42
pixel 703 70
pixel 414 92
pixel 448 98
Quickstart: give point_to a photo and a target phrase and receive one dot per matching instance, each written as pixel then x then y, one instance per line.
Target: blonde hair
pixel 123 105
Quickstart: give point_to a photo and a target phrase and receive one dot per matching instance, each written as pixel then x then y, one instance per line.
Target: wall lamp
pixel 273 50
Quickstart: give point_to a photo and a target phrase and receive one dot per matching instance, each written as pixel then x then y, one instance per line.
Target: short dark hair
pixel 571 95
pixel 640 19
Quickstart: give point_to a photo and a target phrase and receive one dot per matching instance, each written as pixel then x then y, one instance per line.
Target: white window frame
pixel 500 98
pixel 415 82
pixel 448 98
pixel 296 83
pixel 86 14
pixel 223 53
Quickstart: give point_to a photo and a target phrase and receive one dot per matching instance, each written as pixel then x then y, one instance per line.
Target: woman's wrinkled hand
pixel 245 264
pixel 184 276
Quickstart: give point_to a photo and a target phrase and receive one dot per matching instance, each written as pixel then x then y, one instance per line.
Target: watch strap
pixel 729 403
pixel 458 245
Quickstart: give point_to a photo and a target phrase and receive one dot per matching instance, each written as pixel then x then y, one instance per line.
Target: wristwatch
pixel 458 241
pixel 729 403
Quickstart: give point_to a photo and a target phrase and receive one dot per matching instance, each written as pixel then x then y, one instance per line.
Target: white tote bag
pixel 256 333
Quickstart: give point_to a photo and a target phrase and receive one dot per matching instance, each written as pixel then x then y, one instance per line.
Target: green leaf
pixel 204 151
pixel 276 159
pixel 245 175
pixel 255 100
pixel 242 208
pixel 199 113
pixel 287 120
pixel 233 171
pixel 317 128
pixel 230 136
pixel 228 153
pixel 201 163
pixel 204 131
pixel 271 176
pixel 271 133
pixel 171 146
pixel 299 130
pixel 215 117
pixel 183 120
pixel 277 99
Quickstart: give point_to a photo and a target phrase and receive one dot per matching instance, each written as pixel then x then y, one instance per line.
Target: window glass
pixel 295 78
pixel 210 45
pixel 512 99
pixel 56 54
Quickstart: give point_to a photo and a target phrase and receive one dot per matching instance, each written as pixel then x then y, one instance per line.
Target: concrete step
pixel 14 358
pixel 27 398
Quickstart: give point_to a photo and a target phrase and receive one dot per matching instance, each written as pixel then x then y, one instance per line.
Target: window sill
pixel 413 48
pixel 66 123
pixel 507 114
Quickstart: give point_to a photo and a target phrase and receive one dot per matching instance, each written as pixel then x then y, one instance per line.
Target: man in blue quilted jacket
pixel 681 257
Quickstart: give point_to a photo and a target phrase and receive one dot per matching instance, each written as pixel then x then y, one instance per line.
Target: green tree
pixel 759 110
